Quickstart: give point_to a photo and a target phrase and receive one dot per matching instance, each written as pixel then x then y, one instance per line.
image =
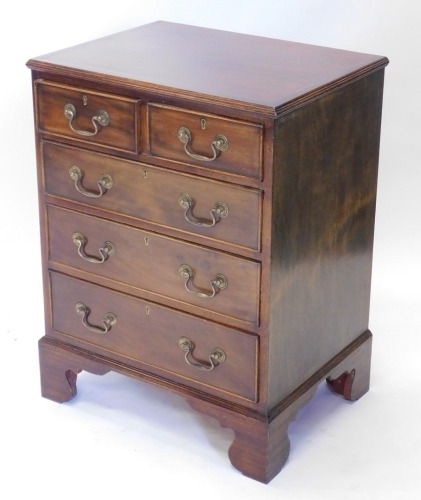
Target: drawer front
pixel 150 334
pixel 153 194
pixel 153 263
pixel 81 114
pixel 206 140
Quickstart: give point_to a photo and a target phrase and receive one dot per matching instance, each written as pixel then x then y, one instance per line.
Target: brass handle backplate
pixel 104 184
pixel 218 283
pixel 101 118
pixel 216 357
pixel 219 211
pixel 105 250
pixel 109 320
pixel 220 143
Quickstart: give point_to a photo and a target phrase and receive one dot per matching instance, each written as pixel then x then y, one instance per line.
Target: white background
pixel 120 438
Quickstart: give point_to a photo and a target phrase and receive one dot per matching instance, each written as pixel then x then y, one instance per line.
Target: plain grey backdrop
pixel 123 439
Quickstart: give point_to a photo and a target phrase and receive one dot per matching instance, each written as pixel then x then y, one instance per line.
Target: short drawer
pixel 219 282
pixel 206 140
pixel 155 195
pixel 154 335
pixel 84 115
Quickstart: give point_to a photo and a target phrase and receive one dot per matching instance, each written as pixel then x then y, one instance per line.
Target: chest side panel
pixel 324 194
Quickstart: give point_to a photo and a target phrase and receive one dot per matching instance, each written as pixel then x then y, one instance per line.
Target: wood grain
pixel 121 133
pixel 248 72
pixel 151 262
pixel 151 193
pixel 261 445
pixel 243 155
pixel 299 178
pixel 149 333
pixel 325 179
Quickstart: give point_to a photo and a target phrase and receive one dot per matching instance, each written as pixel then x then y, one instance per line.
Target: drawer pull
pixel 101 118
pixel 220 143
pixel 105 182
pixel 218 211
pixel 105 251
pixel 217 356
pixel 218 283
pixel 109 320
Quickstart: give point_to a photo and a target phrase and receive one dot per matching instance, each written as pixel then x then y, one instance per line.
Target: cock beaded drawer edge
pixel 207 205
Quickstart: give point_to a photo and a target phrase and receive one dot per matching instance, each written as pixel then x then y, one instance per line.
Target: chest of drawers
pixel 207 207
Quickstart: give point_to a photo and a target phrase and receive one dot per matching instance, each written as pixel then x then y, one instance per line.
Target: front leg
pixel 59 368
pixel 261 445
pixel 351 378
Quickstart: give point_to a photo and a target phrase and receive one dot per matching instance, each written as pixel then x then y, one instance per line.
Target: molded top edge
pixel 253 73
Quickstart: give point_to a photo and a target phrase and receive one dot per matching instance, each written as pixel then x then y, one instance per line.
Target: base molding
pixel 261 445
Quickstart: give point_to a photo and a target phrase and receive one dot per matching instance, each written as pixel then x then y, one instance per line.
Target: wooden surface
pixel 323 225
pixel 261 445
pixel 149 193
pixel 299 178
pixel 243 155
pixel 264 74
pixel 120 133
pixel 150 333
pixel 153 265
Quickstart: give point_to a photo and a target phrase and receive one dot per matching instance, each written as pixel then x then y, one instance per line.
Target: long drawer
pixel 175 343
pixel 155 263
pixel 216 210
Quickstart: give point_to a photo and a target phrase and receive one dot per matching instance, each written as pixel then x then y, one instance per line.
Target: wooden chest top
pixel 254 73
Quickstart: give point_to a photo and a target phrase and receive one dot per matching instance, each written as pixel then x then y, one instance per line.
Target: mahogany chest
pixel 207 205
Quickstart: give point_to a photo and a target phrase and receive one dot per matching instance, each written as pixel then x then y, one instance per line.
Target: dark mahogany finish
pixel 159 190
pixel 244 153
pixel 294 245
